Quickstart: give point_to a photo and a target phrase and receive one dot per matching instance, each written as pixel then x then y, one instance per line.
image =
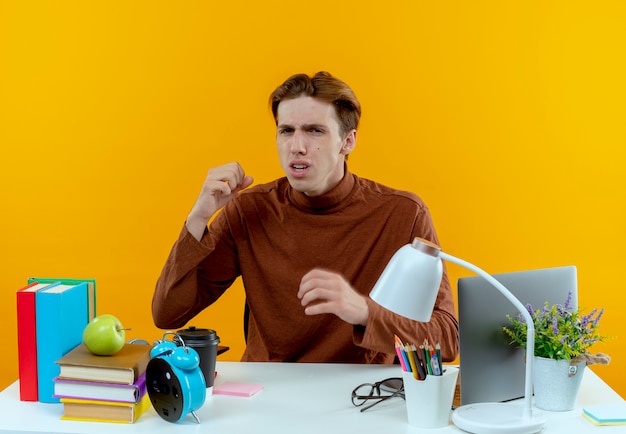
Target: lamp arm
pixel 530 331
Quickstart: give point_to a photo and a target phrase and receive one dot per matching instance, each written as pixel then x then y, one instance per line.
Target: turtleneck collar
pixel 328 202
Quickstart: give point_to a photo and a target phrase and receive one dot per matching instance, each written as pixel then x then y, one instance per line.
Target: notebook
pixel 491 370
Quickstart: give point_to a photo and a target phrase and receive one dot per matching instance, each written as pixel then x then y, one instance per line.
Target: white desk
pixel 297 398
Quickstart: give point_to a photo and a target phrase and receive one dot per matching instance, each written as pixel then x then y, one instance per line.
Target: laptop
pixel 491 370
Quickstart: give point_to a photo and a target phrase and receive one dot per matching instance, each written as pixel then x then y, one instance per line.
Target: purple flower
pixel 568 300
pixel 555 325
pixel 585 319
pixel 595 321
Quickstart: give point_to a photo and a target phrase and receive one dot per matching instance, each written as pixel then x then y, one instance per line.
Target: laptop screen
pixel 491 370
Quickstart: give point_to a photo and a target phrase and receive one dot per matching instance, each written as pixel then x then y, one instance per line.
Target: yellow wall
pixel 508 118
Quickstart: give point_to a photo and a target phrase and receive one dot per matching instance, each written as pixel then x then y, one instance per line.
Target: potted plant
pixel 563 337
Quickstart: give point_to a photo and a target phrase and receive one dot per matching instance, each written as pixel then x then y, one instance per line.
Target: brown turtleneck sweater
pixel 272 235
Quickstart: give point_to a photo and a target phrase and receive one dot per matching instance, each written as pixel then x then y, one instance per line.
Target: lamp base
pixel 497 418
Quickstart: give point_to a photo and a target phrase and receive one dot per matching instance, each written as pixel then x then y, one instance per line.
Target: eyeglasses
pixel 379 392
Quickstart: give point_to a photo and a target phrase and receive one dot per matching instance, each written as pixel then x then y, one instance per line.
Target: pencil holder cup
pixel 429 401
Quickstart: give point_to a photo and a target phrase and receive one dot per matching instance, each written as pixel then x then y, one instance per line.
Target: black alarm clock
pixel 174 380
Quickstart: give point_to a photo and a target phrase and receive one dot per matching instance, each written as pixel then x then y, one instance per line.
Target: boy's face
pixel 310 146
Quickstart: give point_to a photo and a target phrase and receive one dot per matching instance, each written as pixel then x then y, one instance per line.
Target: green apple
pixel 104 335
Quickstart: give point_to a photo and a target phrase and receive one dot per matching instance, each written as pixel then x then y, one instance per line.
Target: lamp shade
pixel 410 282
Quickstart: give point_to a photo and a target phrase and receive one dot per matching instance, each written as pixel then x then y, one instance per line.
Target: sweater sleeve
pixel 195 274
pixel 382 324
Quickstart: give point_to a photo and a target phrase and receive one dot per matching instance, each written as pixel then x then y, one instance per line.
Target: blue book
pixel 91 293
pixel 61 318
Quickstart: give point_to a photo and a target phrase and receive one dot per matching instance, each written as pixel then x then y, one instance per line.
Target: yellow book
pixel 103 411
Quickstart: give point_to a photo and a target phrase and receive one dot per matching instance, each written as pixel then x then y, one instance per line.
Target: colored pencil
pixel 412 361
pixel 438 351
pixel 400 354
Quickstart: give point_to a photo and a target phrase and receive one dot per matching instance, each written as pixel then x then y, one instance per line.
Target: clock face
pixel 165 390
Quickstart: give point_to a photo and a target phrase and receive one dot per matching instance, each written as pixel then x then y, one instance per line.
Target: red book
pixel 27 340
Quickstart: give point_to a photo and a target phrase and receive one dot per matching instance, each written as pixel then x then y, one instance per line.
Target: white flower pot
pixel 556 383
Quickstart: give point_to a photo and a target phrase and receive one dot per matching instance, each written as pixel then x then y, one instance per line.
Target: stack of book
pixel 103 388
pixel 51 316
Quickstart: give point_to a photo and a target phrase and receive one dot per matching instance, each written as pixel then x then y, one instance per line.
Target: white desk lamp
pixel 409 285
